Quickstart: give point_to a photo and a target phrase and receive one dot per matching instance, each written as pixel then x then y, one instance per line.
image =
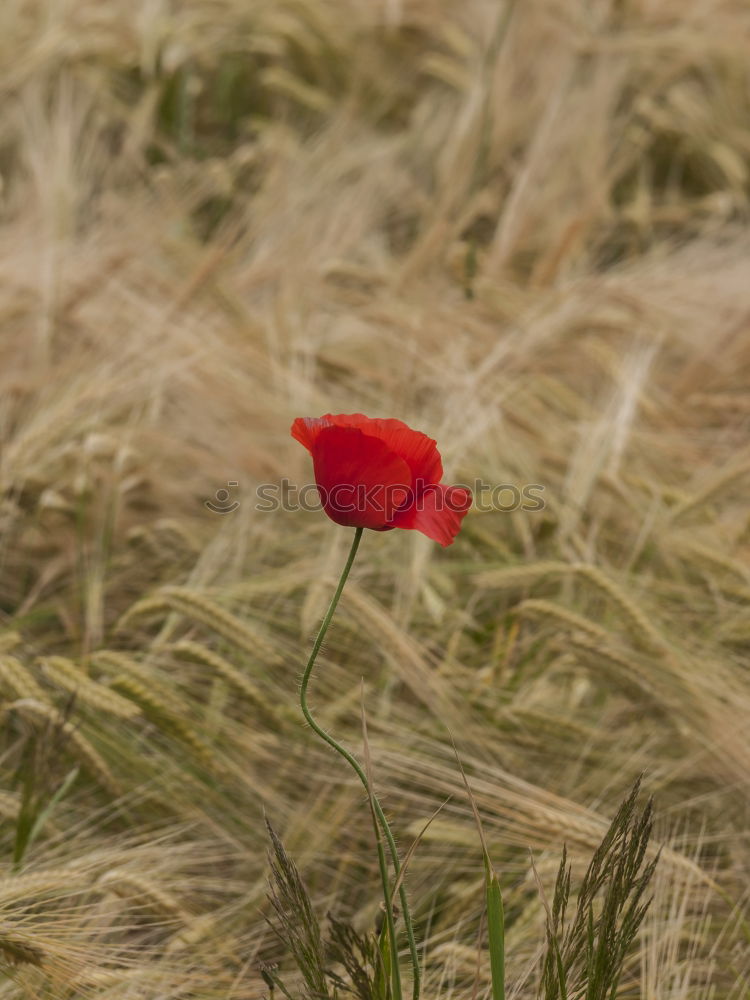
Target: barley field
pixel 520 227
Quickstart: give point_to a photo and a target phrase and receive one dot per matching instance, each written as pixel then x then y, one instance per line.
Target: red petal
pixel 437 513
pixel 362 482
pixel 417 449
pixel 306 430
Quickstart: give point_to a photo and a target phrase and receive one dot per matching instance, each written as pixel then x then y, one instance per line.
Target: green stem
pixel 390 922
pixel 354 764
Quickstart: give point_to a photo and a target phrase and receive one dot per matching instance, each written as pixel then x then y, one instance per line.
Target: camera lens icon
pixel 221 503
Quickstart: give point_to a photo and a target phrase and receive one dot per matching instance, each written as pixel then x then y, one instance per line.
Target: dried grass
pixel 525 235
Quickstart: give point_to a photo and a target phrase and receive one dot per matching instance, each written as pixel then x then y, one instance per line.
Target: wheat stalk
pixel 131 886
pixel 80 746
pixel 164 716
pixel 9 640
pixel 114 661
pixel 251 638
pixel 709 491
pixel 19 679
pixel 70 677
pixel 538 608
pixel 17 949
pixel 642 627
pixel 200 654
pixel 515 577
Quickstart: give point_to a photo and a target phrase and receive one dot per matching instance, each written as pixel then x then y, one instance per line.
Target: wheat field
pixel 521 228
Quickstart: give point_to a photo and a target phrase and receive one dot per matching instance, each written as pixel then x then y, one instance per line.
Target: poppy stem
pixel 354 764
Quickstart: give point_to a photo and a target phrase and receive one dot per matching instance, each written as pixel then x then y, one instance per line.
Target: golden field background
pixel 524 232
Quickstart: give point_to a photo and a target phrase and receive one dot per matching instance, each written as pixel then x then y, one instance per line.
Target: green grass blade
pixel 495 931
pixel 47 811
pixel 384 971
pixel 495 916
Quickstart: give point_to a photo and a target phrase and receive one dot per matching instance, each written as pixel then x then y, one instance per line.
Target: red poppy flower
pixel 381 474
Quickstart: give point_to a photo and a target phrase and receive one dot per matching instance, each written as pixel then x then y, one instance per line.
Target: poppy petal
pixel 361 481
pixel 417 449
pixel 306 430
pixel 437 513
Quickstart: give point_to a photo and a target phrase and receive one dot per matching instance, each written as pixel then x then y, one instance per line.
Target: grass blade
pixel 494 899
pixel 495 930
pixel 388 940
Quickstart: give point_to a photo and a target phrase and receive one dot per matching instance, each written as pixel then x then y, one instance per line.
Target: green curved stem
pixel 389 921
pixel 354 764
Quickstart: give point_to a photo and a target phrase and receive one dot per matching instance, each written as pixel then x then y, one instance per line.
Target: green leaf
pixel 495 917
pixel 44 814
pixel 495 931
pixel 382 983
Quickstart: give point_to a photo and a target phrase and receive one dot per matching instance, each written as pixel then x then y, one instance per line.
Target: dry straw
pixel 66 674
pixel 196 607
pixel 221 667
pixel 18 949
pixel 43 714
pixel 549 610
pixel 143 891
pixel 164 716
pixel 528 243
pixel 19 679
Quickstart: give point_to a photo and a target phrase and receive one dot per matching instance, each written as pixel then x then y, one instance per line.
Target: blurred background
pixel 521 228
